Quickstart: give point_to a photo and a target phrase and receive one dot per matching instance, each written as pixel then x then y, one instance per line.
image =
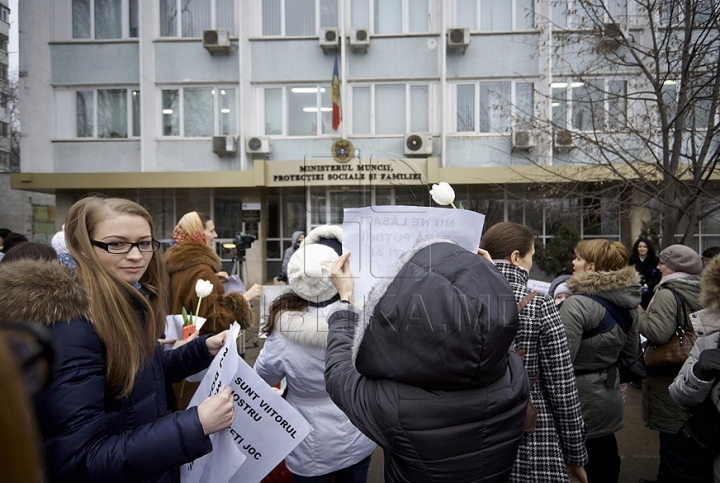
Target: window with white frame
pixel 300 110
pixel 298 18
pixel 587 14
pixel 387 109
pixel 98 113
pixel 104 19
pixel 392 16
pixel 590 105
pixel 491 106
pixel 188 18
pixel 4 13
pixel 199 111
pixel 495 15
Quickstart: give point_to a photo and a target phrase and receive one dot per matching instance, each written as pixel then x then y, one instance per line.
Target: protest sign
pixel 538 285
pixel 265 430
pixel 377 236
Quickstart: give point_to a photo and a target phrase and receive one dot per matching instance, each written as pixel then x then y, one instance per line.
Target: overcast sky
pixel 13 45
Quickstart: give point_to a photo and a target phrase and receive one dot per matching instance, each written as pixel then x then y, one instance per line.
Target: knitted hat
pixel 310 265
pixel 562 288
pixel 680 258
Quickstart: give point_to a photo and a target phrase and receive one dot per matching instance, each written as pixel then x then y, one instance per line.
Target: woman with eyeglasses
pixel 103 417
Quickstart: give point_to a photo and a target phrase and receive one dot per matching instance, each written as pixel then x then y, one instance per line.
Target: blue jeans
pixel 356 473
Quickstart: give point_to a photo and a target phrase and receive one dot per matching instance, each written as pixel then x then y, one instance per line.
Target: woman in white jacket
pixel 699 377
pixel 295 349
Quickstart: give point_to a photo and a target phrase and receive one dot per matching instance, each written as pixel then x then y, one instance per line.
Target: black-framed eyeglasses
pixel 119 248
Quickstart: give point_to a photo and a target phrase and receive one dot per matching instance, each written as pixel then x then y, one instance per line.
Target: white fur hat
pixel 310 265
pixel 58 241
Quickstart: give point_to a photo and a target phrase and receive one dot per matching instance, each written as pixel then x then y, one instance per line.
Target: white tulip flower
pixel 443 194
pixel 203 288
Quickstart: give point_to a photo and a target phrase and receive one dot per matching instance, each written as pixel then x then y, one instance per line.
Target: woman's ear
pixel 591 266
pixel 515 258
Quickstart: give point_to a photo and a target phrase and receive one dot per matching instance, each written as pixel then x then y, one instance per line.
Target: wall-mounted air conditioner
pixel 224 145
pixel 258 145
pixel 458 38
pixel 329 40
pixel 563 140
pixel 359 39
pixel 216 41
pixel 523 140
pixel 417 144
pixel 611 36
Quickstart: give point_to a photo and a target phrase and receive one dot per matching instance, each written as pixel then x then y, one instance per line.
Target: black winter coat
pixel 89 434
pixel 429 376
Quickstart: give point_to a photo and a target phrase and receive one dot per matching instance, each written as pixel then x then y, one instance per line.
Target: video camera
pixel 242 242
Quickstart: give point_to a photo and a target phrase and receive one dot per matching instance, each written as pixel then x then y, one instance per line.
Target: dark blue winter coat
pixel 89 434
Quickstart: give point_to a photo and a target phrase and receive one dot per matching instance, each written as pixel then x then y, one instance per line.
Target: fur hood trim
pixel 309 329
pixel 189 254
pixel 376 293
pixel 40 291
pixel 323 231
pixel 591 283
pixel 710 285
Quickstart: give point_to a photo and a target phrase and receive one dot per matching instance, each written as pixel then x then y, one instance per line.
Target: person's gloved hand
pixel 707 366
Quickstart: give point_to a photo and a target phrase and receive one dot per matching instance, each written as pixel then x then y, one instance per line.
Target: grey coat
pixel 657 323
pixel 427 372
pixel 602 406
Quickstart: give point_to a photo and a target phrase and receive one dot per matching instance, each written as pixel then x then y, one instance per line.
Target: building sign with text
pixel 324 172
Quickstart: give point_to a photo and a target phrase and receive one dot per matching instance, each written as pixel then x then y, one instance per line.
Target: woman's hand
pixel 485 254
pixel 341 277
pixel 578 472
pixel 215 343
pixel 216 412
pixel 223 276
pixel 254 292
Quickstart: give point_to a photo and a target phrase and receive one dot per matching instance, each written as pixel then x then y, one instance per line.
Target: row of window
pixel 374 109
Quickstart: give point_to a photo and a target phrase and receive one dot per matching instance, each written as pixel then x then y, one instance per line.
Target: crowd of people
pixel 453 366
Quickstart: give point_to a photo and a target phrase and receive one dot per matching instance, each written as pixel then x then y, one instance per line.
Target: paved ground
pixel 638 445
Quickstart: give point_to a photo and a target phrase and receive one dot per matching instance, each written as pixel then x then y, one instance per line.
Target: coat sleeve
pixel 371 405
pixel 186 360
pixel 558 381
pixel 658 322
pixel 269 364
pixel 77 444
pixel 687 390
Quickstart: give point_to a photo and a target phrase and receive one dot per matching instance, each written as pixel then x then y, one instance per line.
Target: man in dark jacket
pixel 427 372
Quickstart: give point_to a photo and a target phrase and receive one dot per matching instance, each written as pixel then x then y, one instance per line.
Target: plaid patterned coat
pixel 559 438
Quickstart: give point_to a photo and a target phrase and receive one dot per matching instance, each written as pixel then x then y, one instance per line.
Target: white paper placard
pixel 538 285
pixel 265 430
pixel 377 236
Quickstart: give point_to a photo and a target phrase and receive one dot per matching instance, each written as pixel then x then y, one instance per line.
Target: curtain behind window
pixel 418 15
pixel 328 13
pixel 228 112
pixel 108 19
pixel 360 13
pixel 133 19
pixel 195 17
pixel 273 111
pixel 271 24
pixel 494 107
pixel 198 111
pixel 112 113
pixel 81 19
pixel 361 110
pixel 300 18
pixel 168 18
pixel 388 16
pixel 84 114
pixel 225 15
pixel 465 108
pixel 466 14
pixel 587 106
pixel 525 14
pixel 136 112
pixel 559 107
pixel 390 109
pixel 419 108
pixel 171 112
pixel 302 111
pixel 495 15
pixel 524 104
pixel 617 104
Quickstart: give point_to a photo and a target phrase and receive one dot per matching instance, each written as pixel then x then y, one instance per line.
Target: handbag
pixel 531 414
pixel 677 349
pixel 632 368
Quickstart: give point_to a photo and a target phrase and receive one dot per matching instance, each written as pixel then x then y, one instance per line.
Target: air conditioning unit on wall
pixel 523 140
pixel 359 39
pixel 458 38
pixel 563 140
pixel 222 145
pixel 216 41
pixel 258 145
pixel 329 40
pixel 417 144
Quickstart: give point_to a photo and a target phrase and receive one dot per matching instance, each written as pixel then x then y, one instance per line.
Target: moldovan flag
pixel 335 97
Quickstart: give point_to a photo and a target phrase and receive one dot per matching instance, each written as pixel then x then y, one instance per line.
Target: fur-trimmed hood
pixel 710 285
pixel 189 254
pixel 621 287
pixel 40 291
pixel 309 328
pixel 444 319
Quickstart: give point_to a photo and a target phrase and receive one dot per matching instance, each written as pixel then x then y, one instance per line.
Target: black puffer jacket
pixel 434 383
pixel 89 434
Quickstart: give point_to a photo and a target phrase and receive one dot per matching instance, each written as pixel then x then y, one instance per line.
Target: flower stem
pixel 197 310
pixel 452 204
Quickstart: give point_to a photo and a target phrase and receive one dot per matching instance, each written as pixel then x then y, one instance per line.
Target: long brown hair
pixel 503 238
pixel 113 302
pixel 289 301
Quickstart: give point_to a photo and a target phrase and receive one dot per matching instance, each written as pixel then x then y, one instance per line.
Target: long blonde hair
pixel 114 303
